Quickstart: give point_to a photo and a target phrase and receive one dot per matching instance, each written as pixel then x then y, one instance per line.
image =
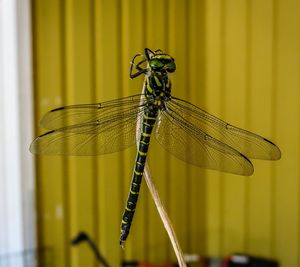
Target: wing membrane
pixel 112 132
pixel 249 144
pixel 78 114
pixel 184 141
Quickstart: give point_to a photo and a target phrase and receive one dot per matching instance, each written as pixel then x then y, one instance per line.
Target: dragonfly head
pixel 162 63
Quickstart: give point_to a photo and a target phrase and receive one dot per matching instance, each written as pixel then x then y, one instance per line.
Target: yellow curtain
pixel 236 59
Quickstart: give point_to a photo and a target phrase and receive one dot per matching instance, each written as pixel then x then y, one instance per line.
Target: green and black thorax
pixel 157 82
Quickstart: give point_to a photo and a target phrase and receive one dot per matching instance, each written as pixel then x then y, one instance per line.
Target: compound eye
pixel 156 64
pixel 171 67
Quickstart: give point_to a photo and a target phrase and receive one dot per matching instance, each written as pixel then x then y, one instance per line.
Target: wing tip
pixel 276 155
pixel 33 147
pixel 250 168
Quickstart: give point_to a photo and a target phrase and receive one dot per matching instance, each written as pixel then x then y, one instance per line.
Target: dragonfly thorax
pixel 157 89
pixel 155 103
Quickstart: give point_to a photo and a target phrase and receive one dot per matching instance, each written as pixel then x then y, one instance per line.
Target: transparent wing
pixel 112 132
pixel 187 143
pixel 78 114
pixel 249 144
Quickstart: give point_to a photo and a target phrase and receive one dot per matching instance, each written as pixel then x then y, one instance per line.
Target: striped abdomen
pixel 147 126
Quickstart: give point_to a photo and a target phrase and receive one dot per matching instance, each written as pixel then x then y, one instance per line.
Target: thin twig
pixel 164 216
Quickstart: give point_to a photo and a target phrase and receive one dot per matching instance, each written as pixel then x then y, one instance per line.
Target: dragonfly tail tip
pixel 122 244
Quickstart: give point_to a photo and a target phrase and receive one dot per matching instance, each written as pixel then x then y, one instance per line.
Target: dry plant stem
pixel 164 216
pixel 158 203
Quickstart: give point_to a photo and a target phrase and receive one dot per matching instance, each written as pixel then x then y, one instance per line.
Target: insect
pixel 186 131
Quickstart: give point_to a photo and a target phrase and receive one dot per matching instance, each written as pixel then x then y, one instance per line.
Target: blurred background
pixel 239 60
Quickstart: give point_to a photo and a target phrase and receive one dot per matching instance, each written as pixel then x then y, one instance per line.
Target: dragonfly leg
pixel 148 52
pixel 139 69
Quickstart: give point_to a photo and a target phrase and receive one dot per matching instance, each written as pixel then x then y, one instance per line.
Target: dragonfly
pixel 183 129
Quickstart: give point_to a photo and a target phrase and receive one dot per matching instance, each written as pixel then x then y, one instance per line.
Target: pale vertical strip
pixel 287 131
pixel 156 38
pixel 17 226
pixel 234 103
pixel 178 169
pixel 11 129
pixel 3 202
pixel 26 123
pixel 213 99
pixel 12 235
pixel 259 86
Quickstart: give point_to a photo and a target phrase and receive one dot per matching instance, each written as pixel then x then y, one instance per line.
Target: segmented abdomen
pixel 147 126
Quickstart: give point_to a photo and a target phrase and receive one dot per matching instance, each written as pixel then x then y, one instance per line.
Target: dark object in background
pixel 84 237
pixel 244 260
pixel 81 237
pixel 130 264
pixel 235 260
pixel 144 264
